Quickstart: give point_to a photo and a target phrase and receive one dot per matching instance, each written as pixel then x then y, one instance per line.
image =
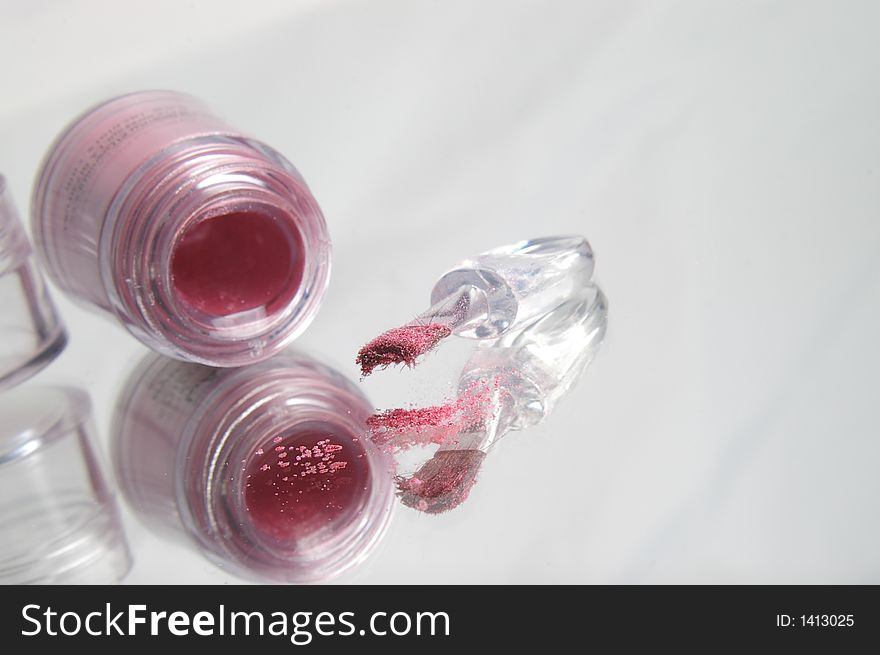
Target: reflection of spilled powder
pixel 399 429
pixel 443 482
pixel 401 345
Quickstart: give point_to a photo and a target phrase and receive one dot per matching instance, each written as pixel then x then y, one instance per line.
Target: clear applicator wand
pixel 511 385
pixel 488 296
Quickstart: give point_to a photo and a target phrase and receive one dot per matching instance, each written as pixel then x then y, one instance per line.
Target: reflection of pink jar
pixel 264 466
pixel 205 243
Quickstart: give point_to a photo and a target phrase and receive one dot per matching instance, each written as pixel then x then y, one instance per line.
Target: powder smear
pixel 399 429
pixel 400 345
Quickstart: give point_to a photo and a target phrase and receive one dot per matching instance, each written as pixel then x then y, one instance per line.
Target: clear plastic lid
pixel 31 334
pixel 59 515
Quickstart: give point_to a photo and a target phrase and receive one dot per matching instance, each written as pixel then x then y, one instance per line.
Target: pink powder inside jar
pixel 237 262
pixel 312 478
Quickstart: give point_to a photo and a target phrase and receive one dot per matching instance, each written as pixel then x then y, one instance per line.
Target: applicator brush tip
pixel 400 345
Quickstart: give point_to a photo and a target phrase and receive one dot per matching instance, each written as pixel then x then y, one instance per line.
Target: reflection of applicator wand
pixel 512 385
pixel 494 293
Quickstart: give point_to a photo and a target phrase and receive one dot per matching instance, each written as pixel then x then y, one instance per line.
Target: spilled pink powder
pixel 398 429
pixel 401 345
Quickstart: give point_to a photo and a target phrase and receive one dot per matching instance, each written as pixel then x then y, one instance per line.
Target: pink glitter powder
pixel 401 345
pixel 398 429
pixel 443 482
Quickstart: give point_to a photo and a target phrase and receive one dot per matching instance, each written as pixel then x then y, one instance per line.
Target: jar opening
pixel 237 262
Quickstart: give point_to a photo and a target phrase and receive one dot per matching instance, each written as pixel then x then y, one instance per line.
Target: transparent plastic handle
pixel 537 366
pixel 515 284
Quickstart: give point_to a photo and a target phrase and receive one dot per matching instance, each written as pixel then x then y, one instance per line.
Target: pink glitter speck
pixel 401 345
pixel 286 499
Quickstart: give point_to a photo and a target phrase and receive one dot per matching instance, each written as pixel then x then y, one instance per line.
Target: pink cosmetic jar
pixel 266 467
pixel 206 244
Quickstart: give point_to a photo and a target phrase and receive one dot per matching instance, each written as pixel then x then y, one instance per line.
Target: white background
pixel 722 158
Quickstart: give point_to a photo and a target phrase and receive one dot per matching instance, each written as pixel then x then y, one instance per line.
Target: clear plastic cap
pixel 31 334
pixel 59 515
pixel 510 286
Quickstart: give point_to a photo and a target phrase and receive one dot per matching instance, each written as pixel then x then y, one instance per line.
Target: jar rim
pixel 196 180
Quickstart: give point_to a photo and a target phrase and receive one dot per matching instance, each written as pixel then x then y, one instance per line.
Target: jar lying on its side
pixel 205 243
pixel 266 467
